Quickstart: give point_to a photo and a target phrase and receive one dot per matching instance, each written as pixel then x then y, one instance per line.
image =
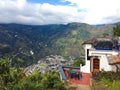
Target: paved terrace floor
pixel 85 80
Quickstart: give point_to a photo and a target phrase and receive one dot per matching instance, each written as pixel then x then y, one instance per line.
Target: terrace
pixel 70 74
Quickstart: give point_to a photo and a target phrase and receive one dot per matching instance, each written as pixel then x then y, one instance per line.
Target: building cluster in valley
pixel 49 63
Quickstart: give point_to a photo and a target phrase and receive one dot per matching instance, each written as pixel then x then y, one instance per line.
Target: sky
pixel 41 12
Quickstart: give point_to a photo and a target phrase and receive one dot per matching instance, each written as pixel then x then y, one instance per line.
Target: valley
pixel 44 40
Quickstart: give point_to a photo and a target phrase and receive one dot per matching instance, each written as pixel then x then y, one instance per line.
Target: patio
pixel 84 80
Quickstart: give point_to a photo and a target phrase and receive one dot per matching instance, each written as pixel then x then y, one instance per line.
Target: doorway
pixel 96 65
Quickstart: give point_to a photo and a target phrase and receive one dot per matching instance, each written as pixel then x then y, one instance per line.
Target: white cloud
pixel 99 10
pixel 85 11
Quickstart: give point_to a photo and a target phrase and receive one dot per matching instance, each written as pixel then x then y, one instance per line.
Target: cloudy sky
pixel 39 12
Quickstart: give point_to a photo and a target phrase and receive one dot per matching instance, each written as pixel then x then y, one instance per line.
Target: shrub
pixel 110 79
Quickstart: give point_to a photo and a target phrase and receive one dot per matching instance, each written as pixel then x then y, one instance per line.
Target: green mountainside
pixel 31 43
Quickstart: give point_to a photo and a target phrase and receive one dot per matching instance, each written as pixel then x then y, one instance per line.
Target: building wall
pixel 114 68
pixel 86 67
pixel 102 54
pixel 87 46
pixel 104 65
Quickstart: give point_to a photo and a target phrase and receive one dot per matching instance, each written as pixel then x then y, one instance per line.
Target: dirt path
pixel 71 86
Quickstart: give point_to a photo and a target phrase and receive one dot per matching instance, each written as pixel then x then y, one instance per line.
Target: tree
pixel 11 79
pixel 4 73
pixel 116 30
pixel 20 62
pixel 78 62
pixel 9 76
pixel 105 34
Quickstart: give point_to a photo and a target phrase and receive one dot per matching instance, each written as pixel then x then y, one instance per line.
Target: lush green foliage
pixel 108 75
pixel 116 30
pixel 78 62
pixel 13 78
pixel 43 40
pixel 111 80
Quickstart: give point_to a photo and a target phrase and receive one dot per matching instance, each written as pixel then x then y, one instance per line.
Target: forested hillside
pixel 31 43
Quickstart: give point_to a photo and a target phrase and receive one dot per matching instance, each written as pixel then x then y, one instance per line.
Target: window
pixel 88 57
pixel 104 45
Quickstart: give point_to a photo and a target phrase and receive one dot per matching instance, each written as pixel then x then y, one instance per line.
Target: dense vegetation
pixel 43 40
pixel 116 30
pixel 13 78
pixel 106 80
pixel 77 62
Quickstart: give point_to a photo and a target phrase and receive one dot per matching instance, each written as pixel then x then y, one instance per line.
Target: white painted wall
pixel 104 63
pixel 103 58
pixel 94 52
pixel 87 46
pixel 86 67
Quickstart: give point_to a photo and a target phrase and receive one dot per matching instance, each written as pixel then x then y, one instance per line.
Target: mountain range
pixel 33 42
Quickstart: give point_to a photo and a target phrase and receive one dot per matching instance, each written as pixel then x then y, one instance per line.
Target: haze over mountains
pixel 33 42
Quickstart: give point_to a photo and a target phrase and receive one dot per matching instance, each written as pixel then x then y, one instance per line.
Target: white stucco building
pixel 97 53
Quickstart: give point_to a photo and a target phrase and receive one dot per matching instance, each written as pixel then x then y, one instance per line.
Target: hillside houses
pixel 50 63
